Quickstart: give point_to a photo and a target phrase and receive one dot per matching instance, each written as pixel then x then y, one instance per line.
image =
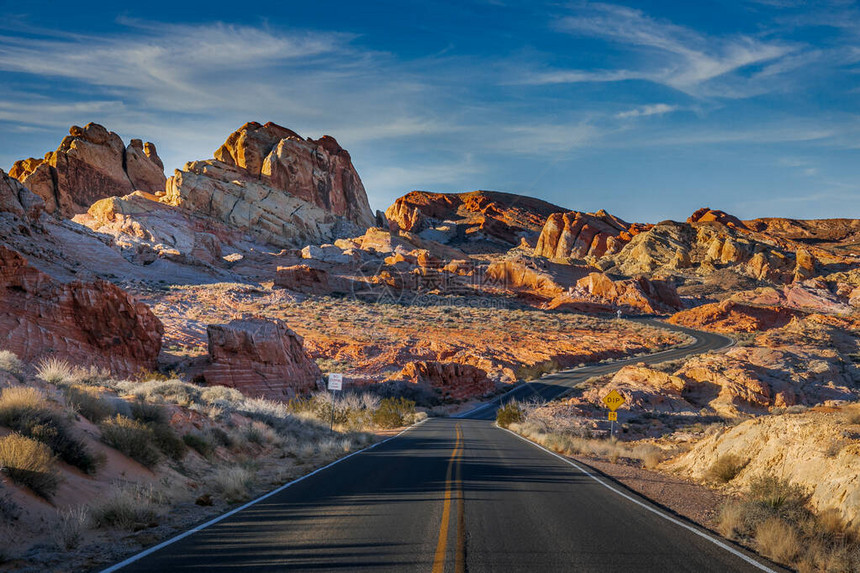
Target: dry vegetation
pixel 373 341
pixel 205 448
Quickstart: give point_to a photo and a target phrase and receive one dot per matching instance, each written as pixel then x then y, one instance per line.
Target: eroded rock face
pixel 645 389
pixel 90 164
pixel 577 235
pixel 260 357
pixel 639 294
pixel 85 323
pixel 455 381
pixel 731 316
pixel 310 280
pixel 17 200
pixel 457 218
pixel 279 188
pixel 145 229
pixel 708 215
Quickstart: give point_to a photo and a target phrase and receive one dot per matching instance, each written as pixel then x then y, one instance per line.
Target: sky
pixel 649 110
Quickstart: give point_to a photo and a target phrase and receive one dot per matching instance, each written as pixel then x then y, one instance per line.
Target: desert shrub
pixel 778 494
pixel 198 442
pixel 393 412
pixel 147 413
pixel 216 394
pixel 650 455
pixel 220 437
pixel 510 413
pixel 732 519
pixel 132 438
pixel 168 441
pixel 254 435
pixel 29 463
pixel 88 402
pixel 127 507
pixel 778 540
pixel 10 363
pixel 55 371
pixel 233 483
pixel 726 468
pixel 26 411
pixel 70 527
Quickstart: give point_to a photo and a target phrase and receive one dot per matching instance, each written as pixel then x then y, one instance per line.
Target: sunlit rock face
pixel 90 164
pixel 279 188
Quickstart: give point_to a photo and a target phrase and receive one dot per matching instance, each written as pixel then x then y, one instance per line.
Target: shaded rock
pixel 309 280
pixel 731 316
pixel 454 381
pixel 260 357
pixel 85 323
pixel 640 294
pixel 18 200
pixel 644 389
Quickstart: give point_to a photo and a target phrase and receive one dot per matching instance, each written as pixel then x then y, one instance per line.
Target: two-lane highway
pixel 453 495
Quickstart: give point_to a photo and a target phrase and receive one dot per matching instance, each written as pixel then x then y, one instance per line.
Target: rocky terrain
pixel 257 271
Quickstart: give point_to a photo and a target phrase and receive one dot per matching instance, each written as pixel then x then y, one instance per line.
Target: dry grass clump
pixel 55 371
pixel 777 539
pixel 29 463
pixel 726 468
pixel 233 483
pixel 88 402
pixel 26 411
pixel 773 517
pixel 70 526
pixel 132 438
pixel 10 363
pixel 128 506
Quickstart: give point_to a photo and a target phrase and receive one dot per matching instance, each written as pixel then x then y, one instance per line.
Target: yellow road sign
pixel 613 416
pixel 613 400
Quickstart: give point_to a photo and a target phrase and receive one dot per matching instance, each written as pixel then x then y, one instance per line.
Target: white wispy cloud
pixel 668 54
pixel 647 110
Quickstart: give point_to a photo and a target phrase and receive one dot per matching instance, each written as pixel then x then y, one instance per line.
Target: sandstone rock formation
pixel 279 188
pixel 17 200
pixel 637 294
pixel 731 316
pixel 310 280
pixel 454 381
pixel 260 357
pixel 577 235
pixel 707 215
pixel 808 449
pixel 645 389
pixel 145 229
pixel 90 164
pixel 85 323
pixel 456 218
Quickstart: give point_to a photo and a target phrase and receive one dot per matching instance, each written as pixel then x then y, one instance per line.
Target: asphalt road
pixel 453 495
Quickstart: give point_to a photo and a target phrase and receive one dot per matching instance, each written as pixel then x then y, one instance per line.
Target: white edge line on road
pixel 654 510
pixel 224 516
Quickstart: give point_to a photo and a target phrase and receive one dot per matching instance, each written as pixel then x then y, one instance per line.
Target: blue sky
pixel 647 109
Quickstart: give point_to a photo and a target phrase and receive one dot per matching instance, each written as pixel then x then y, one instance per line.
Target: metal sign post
pixel 335 383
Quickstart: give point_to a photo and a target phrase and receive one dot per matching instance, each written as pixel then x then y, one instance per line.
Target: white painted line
pixel 224 516
pixel 654 510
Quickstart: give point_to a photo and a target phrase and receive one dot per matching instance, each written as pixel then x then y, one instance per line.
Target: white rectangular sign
pixel 335 381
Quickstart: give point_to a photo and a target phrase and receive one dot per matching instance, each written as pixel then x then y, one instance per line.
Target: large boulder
pixel 309 280
pixel 274 185
pixel 732 316
pixel 708 215
pixel 636 294
pixel 260 357
pixel 91 163
pixel 17 200
pixel 85 323
pixel 454 381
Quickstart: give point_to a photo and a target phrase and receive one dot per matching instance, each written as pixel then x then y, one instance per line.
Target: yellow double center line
pixel 453 489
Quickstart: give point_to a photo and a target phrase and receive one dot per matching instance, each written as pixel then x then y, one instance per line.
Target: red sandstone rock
pixel 731 316
pixel 487 214
pixel 261 358
pixel 309 280
pixel 577 235
pixel 18 200
pixel 707 215
pixel 90 164
pixel 455 381
pixel 642 294
pixel 87 324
